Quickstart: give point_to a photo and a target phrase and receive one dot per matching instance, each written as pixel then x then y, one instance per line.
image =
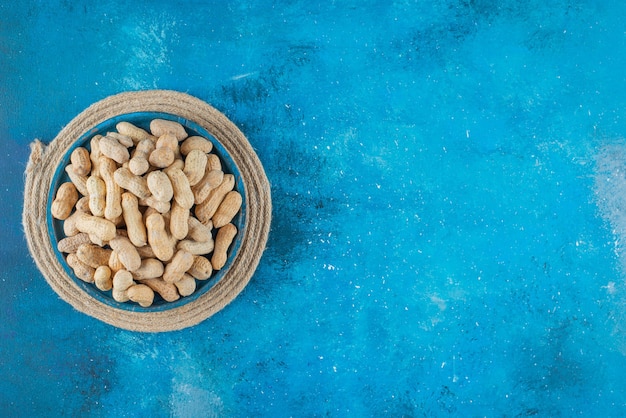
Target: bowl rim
pixel 142 119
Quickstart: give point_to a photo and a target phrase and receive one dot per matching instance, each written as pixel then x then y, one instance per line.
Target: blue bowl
pixel 142 120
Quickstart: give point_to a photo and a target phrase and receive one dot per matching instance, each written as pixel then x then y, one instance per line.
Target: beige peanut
pixel 160 186
pixel 196 142
pixel 69 225
pixel 168 140
pixel 186 285
pixel 125 140
pixel 80 182
pixel 81 270
pixel 114 262
pixel 83 205
pixel 112 148
pixel 135 184
pixel 150 268
pixel 162 157
pixel 210 181
pixel 227 210
pixel 195 164
pixel 182 191
pixel 149 211
pixel 224 238
pixel 126 252
pixel 97 195
pixel 179 221
pixel 165 152
pixel 158 238
pixel 204 211
pixel 196 247
pixel 138 164
pixel 168 291
pixel 95 154
pixel 102 278
pixel 93 255
pixel 134 132
pixel 201 268
pixel 133 220
pixel 70 244
pixel 64 201
pixel 113 196
pixel 213 162
pixel 199 231
pixel 99 229
pixel 141 294
pixel 160 127
pixel 153 203
pixel 122 280
pixel 81 162
pixel 180 263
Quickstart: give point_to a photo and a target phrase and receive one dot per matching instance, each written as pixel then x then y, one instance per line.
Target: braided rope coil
pixel 40 170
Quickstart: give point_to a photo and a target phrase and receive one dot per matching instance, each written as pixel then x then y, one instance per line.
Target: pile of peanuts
pixel 140 209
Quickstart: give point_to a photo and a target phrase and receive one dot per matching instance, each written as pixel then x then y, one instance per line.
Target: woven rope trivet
pixel 45 159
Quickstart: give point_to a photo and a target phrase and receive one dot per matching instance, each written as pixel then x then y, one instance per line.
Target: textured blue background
pixel 448 181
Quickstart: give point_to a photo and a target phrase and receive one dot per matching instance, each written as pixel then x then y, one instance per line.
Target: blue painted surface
pixel 448 186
